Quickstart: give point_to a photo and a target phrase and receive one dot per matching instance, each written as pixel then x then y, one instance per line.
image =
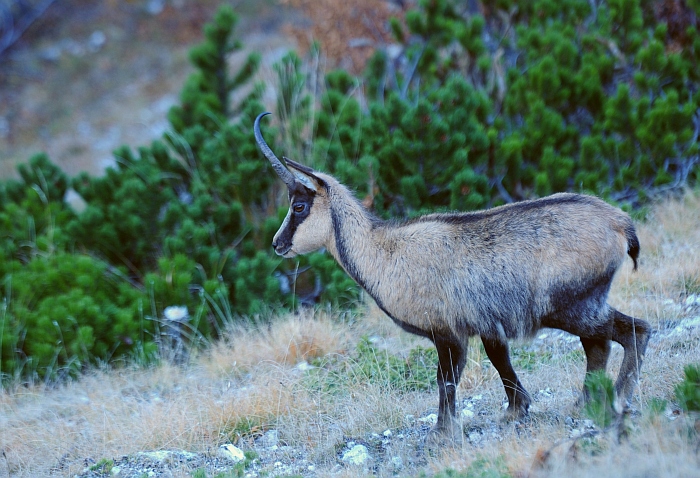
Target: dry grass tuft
pixel 289 340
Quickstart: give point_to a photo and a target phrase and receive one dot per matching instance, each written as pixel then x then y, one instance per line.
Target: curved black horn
pixel 277 165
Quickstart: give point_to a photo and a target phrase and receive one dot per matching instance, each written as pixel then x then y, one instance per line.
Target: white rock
pixel 97 40
pixel 304 366
pixel 115 470
pixel 155 7
pixel 431 419
pixel 231 452
pixel 466 413
pixel 357 455
pixel 387 433
pixel 270 439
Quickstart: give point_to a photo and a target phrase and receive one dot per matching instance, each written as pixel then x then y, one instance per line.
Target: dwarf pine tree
pixel 203 195
pixel 475 105
pixel 183 222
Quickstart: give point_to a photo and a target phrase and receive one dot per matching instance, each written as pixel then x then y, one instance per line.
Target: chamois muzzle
pixel 277 165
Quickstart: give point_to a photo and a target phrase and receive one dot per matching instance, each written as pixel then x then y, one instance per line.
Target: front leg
pixel 518 398
pixel 451 360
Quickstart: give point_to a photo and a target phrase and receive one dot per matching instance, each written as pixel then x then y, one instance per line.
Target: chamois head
pixel 307 226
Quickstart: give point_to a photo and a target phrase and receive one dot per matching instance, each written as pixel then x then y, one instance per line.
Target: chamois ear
pixel 305 175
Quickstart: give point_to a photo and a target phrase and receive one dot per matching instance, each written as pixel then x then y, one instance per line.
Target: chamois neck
pixel 354 243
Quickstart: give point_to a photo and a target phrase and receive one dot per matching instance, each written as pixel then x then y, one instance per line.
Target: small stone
pixel 431 419
pixel 357 455
pixel 270 439
pixel 304 366
pixel 96 41
pixel 115 470
pixel 231 452
pixel 155 7
pixel 387 433
pixel 51 53
pixel 466 413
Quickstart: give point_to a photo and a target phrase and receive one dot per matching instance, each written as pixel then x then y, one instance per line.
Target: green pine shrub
pixel 65 312
pixel 688 391
pixel 475 106
pixel 601 399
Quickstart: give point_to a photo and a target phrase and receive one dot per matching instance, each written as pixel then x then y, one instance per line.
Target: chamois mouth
pixel 285 252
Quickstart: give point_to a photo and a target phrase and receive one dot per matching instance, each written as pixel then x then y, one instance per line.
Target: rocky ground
pixel 402 450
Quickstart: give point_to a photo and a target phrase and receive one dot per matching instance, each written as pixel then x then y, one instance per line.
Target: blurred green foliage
pixel 475 105
pixel 600 404
pixel 688 391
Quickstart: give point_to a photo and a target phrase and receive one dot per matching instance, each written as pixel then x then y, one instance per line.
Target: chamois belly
pixel 462 309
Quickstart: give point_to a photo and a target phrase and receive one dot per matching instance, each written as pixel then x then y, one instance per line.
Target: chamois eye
pixel 299 207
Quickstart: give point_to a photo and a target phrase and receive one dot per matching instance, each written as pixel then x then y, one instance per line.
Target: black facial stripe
pixel 299 194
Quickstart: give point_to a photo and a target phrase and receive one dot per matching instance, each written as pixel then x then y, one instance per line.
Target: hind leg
pixel 597 353
pixel 518 398
pixel 633 335
pixel 451 360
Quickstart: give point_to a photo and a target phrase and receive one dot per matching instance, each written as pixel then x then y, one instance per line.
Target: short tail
pixel 632 244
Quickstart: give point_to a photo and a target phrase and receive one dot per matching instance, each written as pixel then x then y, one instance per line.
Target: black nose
pixel 274 244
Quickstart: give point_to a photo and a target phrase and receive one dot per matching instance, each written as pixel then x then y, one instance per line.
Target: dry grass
pixel 251 381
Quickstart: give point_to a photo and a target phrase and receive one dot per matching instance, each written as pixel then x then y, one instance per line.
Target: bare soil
pixel 88 77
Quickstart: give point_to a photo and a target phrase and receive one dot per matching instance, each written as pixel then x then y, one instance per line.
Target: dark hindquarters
pixel 518 398
pixel 632 334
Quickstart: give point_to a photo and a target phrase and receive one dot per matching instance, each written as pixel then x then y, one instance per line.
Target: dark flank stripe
pixel 459 218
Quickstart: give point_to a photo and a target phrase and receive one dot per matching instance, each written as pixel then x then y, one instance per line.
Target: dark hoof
pixel 444 436
pixel 516 413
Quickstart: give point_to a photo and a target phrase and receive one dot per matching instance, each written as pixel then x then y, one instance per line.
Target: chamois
pixel 502 273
